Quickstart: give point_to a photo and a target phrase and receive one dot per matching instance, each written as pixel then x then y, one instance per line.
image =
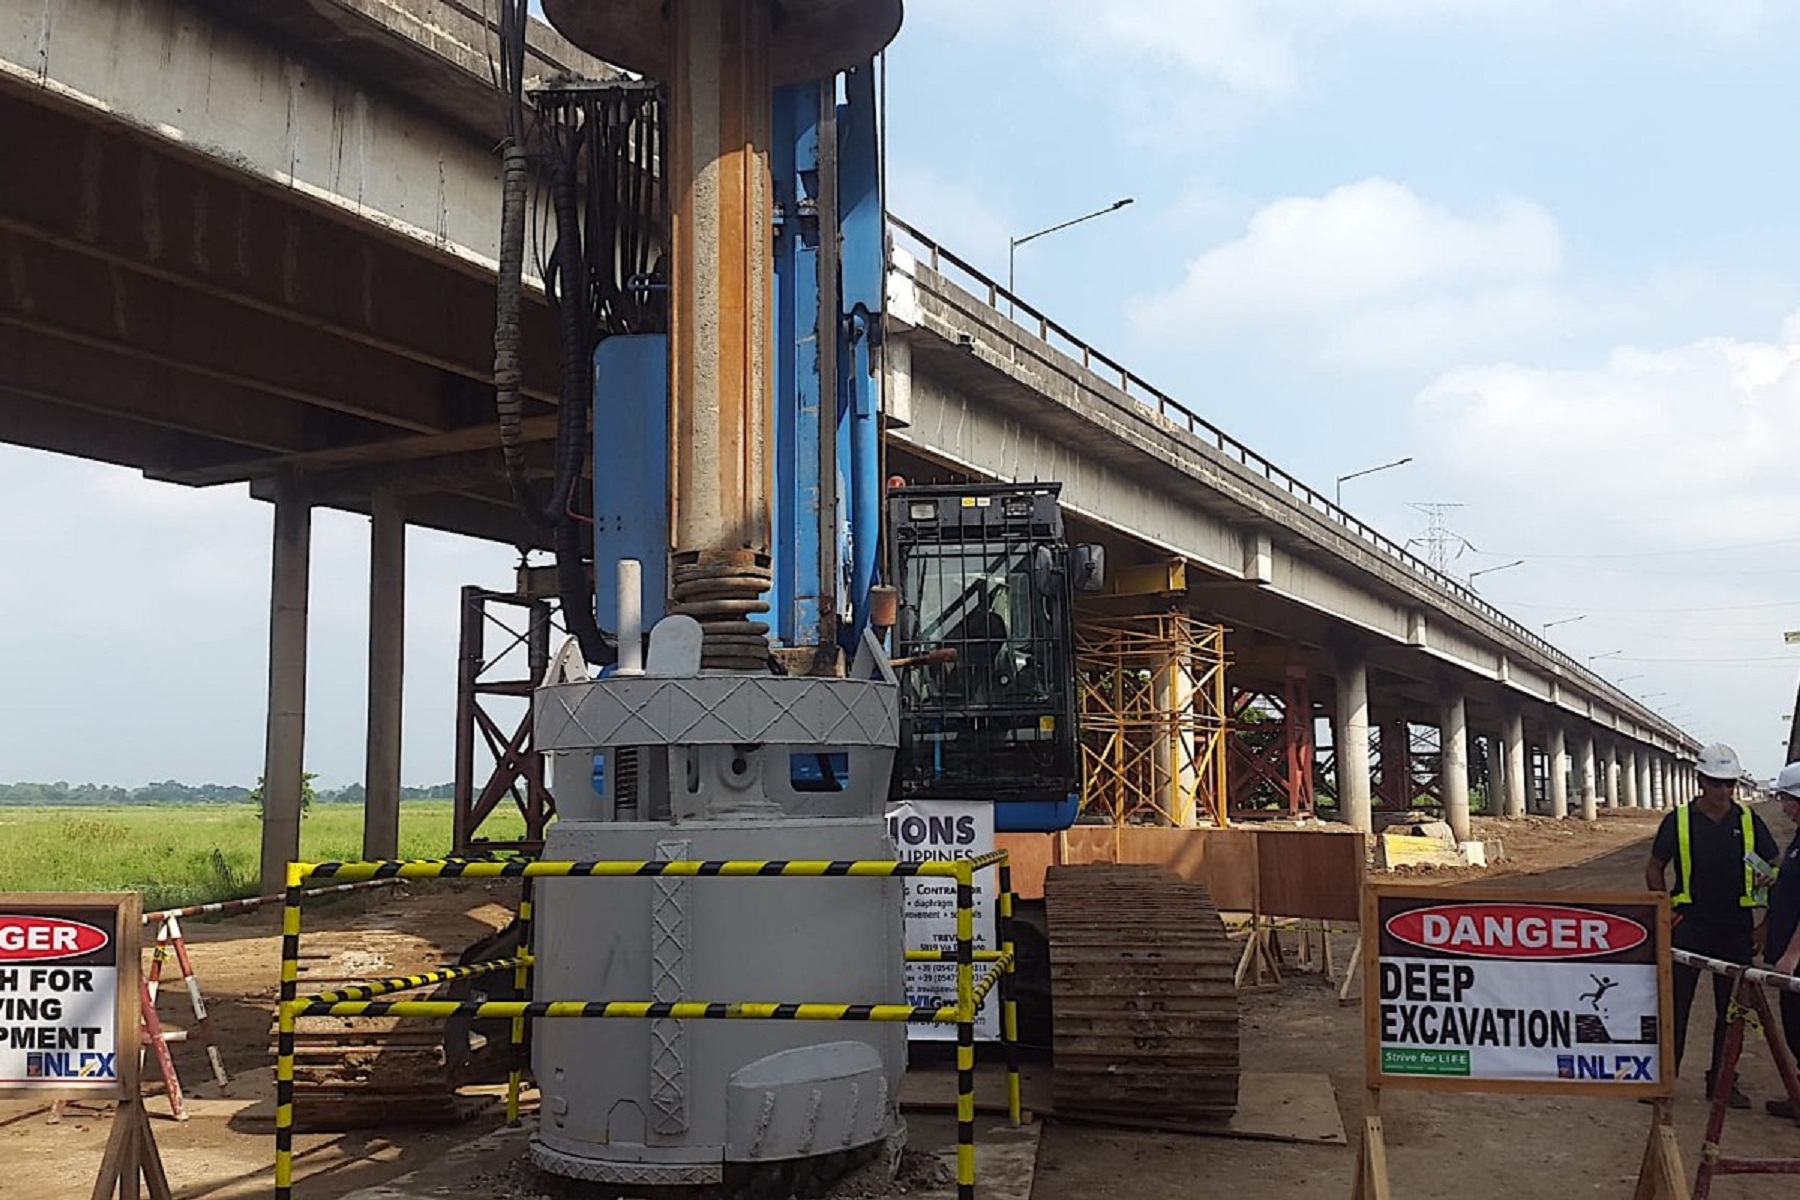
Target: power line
pixel 1703 608
pixel 1648 553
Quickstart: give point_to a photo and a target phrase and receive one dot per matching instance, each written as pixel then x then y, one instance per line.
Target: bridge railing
pixel 1021 313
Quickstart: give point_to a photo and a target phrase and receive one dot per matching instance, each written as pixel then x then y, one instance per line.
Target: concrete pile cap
pixel 813 38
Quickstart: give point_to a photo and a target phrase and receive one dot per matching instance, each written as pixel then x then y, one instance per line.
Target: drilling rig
pixel 718 275
pixel 734 601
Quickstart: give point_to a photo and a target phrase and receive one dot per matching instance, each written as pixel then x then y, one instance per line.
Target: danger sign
pixel 61 1001
pixel 1486 990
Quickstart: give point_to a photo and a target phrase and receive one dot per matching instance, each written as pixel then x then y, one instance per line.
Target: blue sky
pixel 1545 248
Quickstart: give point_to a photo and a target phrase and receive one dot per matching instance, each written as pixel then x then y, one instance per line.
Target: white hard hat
pixel 1788 782
pixel 1719 761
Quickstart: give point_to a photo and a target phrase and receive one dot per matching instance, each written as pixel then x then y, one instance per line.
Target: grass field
pixel 179 854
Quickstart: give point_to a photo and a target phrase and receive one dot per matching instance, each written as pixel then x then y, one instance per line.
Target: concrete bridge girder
pixel 987 399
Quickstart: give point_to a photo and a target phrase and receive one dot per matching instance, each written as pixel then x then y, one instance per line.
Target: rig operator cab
pixel 984 647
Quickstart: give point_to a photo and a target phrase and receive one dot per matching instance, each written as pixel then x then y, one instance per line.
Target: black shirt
pixel 1718 850
pixel 1784 903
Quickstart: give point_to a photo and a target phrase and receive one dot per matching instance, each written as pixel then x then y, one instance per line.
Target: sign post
pixel 69 1019
pixel 1503 990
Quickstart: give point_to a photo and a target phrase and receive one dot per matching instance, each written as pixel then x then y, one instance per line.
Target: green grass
pixel 179 854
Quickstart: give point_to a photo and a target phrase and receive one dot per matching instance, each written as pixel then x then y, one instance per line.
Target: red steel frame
pixel 1748 1006
pixel 1282 764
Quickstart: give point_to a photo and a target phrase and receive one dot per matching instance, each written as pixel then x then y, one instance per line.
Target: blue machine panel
pixel 631 469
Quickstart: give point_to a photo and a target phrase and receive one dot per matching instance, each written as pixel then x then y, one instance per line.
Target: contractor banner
pixel 1517 991
pixel 928 830
pixel 61 1002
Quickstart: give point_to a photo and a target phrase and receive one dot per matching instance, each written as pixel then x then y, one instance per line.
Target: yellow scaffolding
pixel 1154 718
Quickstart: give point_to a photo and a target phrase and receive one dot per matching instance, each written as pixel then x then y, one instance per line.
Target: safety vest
pixel 1684 836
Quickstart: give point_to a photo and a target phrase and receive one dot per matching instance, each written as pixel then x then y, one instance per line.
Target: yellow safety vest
pixel 1684 835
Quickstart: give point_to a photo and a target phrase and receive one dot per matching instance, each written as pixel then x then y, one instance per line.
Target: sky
pixel 1545 248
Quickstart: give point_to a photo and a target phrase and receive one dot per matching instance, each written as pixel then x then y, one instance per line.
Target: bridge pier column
pixel 1661 799
pixel 1590 796
pixel 1180 776
pixel 1352 737
pixel 1646 787
pixel 1559 772
pixel 284 746
pixel 1513 737
pixel 1558 750
pixel 1612 775
pixel 1630 771
pixel 387 667
pixel 1453 766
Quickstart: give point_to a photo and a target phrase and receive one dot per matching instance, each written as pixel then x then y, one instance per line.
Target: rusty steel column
pixel 720 303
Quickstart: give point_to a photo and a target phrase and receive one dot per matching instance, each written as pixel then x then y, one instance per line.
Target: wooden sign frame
pixel 131 1153
pixel 1661 1176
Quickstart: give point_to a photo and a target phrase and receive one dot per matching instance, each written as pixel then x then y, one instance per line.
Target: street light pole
pixel 1013 244
pixel 1564 621
pixel 1338 492
pixel 1517 562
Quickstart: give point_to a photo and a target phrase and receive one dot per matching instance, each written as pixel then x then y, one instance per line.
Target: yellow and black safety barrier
pixel 408 983
pixel 523 868
pixel 361 1000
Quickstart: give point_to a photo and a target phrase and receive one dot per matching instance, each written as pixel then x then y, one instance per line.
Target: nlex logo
pixel 1614 1068
pixel 1497 930
pixel 64 1064
pixel 45 939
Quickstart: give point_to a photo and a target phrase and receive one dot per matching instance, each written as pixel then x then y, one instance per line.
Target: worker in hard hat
pixel 1781 940
pixel 1716 893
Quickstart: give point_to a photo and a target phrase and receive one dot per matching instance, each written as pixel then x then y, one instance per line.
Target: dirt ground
pixel 1438 1146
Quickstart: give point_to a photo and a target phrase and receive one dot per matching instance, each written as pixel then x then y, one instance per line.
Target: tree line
pixel 63 794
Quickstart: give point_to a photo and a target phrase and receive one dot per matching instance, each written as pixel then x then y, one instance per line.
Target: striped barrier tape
pixel 521 868
pixel 636 1010
pixel 407 983
pixel 221 907
pixel 1757 976
pixel 940 956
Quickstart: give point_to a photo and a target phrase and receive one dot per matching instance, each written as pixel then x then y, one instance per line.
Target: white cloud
pixel 1262 53
pixel 1697 443
pixel 121 591
pixel 1654 492
pixel 1370 271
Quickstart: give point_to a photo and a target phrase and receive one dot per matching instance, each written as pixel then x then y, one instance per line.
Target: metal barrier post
pixel 284 1035
pixel 1749 1006
pixel 191 978
pixel 1724 1082
pixel 1009 1007
pixel 965 1031
pixel 522 983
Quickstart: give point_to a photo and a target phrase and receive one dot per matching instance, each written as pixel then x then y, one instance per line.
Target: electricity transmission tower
pixel 1440 542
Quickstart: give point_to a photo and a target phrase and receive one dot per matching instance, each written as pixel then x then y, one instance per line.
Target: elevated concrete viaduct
pixel 254 240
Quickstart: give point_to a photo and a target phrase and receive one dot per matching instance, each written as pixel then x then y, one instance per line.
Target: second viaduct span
pixel 253 241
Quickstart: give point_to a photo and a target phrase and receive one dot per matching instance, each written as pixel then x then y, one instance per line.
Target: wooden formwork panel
pixel 1311 874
